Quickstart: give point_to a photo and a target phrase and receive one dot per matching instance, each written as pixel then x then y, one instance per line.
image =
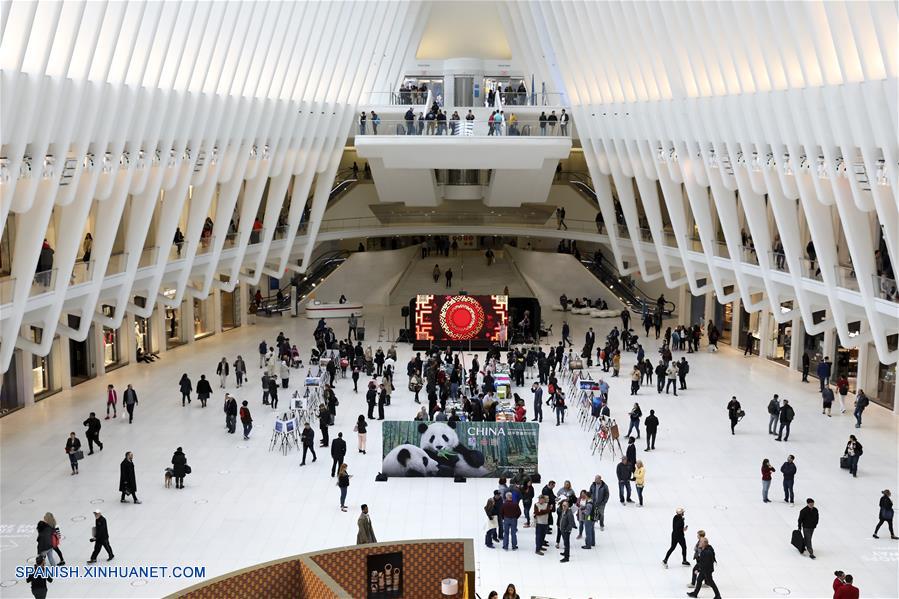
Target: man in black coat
pixel 371 397
pixel 179 468
pixel 786 417
pixel 706 568
pixel 127 481
pixel 651 424
pixel 93 432
pixel 100 538
pixel 623 472
pixel 338 451
pixel 808 521
pixel 231 413
pixel 806 364
pixel 382 401
pixel 308 439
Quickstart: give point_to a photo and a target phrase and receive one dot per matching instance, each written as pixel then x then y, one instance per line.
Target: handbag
pixel 79 455
pixel 798 541
pixel 844 462
pixel 187 469
pixel 54 539
pixel 886 514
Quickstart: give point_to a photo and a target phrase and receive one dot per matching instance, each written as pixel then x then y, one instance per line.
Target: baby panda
pixel 440 441
pixel 408 460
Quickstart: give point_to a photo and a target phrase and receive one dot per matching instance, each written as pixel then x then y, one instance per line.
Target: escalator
pixel 320 268
pixel 625 288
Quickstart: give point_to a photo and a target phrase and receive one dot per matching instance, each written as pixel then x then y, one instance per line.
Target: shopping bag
pixel 797 541
pixel 844 462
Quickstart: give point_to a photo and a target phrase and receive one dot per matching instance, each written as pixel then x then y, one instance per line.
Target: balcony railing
pixel 885 288
pixel 7 290
pixel 463 128
pixel 81 272
pixel 43 282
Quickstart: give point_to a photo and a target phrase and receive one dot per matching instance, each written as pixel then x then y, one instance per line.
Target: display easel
pixel 284 434
pixel 607 438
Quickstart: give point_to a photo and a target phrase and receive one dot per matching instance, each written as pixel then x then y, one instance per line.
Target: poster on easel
pixel 384 575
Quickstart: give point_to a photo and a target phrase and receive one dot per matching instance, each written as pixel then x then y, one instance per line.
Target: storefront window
pixel 9 391
pixel 142 335
pixel 782 338
pixel 41 374
pixel 202 318
pixel 886 379
pixel 112 354
pixel 230 310
pixel 813 345
pixel 173 335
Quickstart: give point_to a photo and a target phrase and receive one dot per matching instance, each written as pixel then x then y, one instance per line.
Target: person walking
pixel 807 522
pixel 240 370
pixel 510 513
pixel 806 365
pixel 843 390
pixel 382 401
pixel 127 480
pixel 826 400
pixel 308 439
pixel 683 368
pixel 884 515
pixel 179 467
pixel 767 469
pixel 566 525
pixel 45 538
pixel 366 533
pixel 449 277
pixel 129 398
pixel 73 450
pixel 697 549
pixel 93 432
pixel 204 391
pixel 786 417
pixel 861 402
pixel 263 346
pixel 338 452
pixel 651 424
pixel 623 472
pixel 223 370
pixel 788 470
pixel 773 414
pixel 640 477
pixel 678 528
pixel 823 371
pixel 185 386
pixel 246 420
pixel 360 429
pixel 846 590
pixel 39 578
pixel 112 399
pixel 853 452
pixel 492 508
pixel 273 391
pixel 100 538
pixel 706 564
pixel 284 373
pixel 733 413
pixel 230 413
pixel 343 483
pixel 560 407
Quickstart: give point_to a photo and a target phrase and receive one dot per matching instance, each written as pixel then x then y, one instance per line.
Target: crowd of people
pixel 453 386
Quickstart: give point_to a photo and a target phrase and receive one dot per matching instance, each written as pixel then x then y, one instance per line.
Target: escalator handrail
pixel 635 297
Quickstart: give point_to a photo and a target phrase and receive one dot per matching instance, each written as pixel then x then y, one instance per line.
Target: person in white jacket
pixel 284 371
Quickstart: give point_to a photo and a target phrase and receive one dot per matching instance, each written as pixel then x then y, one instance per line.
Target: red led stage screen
pixel 455 318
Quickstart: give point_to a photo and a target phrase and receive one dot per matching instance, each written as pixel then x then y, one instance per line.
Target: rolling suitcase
pixel 360 333
pixel 844 462
pixel 797 541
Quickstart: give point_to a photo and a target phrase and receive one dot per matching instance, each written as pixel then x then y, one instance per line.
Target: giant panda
pixel 441 442
pixel 408 460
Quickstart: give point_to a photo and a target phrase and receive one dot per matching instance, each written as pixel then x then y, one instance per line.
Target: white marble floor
pixel 244 505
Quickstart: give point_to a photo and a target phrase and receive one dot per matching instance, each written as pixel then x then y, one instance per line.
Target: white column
pixel 684 299
pixel 127 339
pixel 829 345
pixel 61 364
pixel 157 330
pixel 764 333
pixel 187 320
pixel 215 304
pixel 709 307
pixel 95 350
pixel 796 333
pixel 735 324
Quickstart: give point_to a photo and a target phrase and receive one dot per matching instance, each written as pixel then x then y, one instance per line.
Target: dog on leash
pixel 168 477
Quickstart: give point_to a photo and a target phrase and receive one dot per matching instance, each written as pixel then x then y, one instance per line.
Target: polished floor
pixel 244 504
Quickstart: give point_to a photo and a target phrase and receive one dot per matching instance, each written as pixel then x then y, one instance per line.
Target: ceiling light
pixel 49 163
pixel 881 173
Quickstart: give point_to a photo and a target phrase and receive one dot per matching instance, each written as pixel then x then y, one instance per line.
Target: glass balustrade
pixel 885 288
pixel 43 282
pixel 462 128
pixel 81 272
pixel 148 257
pixel 117 264
pixel 206 245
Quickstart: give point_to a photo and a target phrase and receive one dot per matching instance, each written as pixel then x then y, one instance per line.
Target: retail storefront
pixel 174 335
pixel 143 335
pixel 81 360
pixel 112 347
pixel 781 335
pixel 813 345
pixel 9 391
pixel 885 394
pixel 230 309
pixel 203 326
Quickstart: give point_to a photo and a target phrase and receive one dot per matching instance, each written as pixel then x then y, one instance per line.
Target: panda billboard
pixel 470 449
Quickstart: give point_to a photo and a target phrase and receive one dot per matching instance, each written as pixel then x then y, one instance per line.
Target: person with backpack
pixel 773 414
pixel 246 420
pixel 786 418
pixel 853 452
pixel 559 404
pixel 843 390
pixel 861 402
pixel 826 400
